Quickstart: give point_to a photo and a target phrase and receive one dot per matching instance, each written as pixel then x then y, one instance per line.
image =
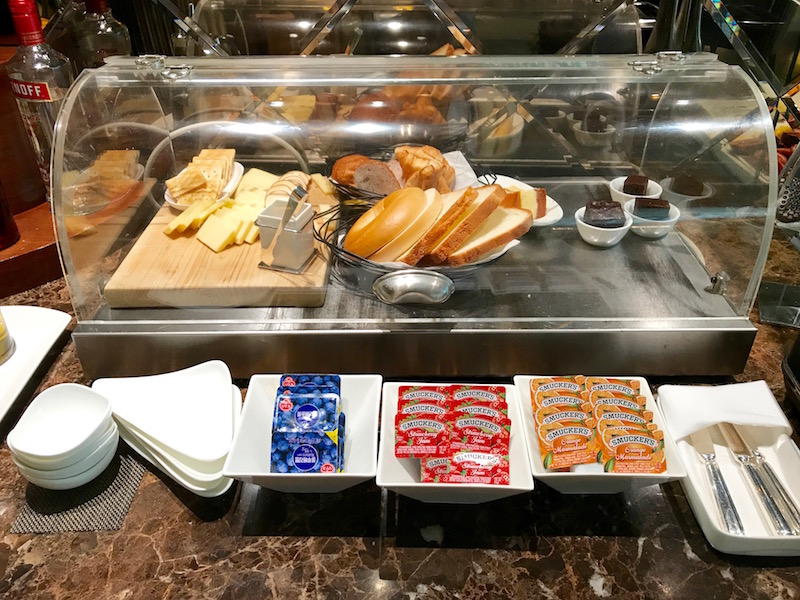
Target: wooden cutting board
pixel 180 271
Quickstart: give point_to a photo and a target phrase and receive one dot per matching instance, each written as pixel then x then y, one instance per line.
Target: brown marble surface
pixel 365 543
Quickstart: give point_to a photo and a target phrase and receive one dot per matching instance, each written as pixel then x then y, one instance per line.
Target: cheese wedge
pixel 217 233
pixel 323 183
pixel 255 179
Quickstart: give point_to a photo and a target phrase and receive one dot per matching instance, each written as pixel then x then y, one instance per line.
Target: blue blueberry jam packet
pixel 308 427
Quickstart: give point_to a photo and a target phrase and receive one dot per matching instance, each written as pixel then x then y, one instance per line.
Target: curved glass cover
pixel 577 127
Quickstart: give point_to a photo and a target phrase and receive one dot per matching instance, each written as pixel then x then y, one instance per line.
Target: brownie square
pixel 687 185
pixel 548 111
pixel 594 122
pixel 601 213
pixel 635 185
pixel 789 139
pixel 653 209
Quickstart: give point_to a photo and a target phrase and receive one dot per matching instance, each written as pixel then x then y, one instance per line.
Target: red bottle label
pixel 31 90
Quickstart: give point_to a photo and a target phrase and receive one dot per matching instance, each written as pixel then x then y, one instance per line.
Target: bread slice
pixel 512 199
pixel 534 200
pixel 453 206
pixel 488 199
pixel 375 177
pixel 502 226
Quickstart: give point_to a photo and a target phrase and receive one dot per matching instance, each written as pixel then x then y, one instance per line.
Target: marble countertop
pixel 365 543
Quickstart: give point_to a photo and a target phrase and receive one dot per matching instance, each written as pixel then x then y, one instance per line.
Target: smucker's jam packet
pixel 469 466
pixel 563 444
pixel 423 399
pixel 478 432
pixel 435 469
pixel 608 387
pixel 616 412
pixel 420 436
pixel 632 450
pixel 479 399
pixel 571 412
pixel 556 391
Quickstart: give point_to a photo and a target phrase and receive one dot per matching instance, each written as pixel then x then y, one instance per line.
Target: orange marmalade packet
pixel 623 414
pixel 568 442
pixel 608 387
pixel 553 413
pixel 632 450
pixel 552 391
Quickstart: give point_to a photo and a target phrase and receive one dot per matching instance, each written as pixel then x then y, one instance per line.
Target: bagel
pixel 415 230
pixel 385 221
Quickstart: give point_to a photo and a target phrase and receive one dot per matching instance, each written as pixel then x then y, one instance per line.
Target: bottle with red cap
pixel 100 35
pixel 40 78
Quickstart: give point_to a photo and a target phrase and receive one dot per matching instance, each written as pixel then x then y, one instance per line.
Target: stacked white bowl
pixel 65 438
pixel 181 422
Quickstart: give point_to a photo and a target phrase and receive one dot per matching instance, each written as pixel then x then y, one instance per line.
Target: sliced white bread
pixel 409 236
pixel 502 226
pixel 534 200
pixel 453 206
pixel 488 199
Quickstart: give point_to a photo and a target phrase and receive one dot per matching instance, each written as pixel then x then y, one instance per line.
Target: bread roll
pixel 415 230
pixel 345 167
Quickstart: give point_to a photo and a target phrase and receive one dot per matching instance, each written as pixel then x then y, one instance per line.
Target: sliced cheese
pixel 217 233
pixel 186 218
pixel 323 183
pixel 253 234
pixel 251 197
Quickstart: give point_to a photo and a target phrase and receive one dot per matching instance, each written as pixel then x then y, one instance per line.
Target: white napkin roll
pixel 690 408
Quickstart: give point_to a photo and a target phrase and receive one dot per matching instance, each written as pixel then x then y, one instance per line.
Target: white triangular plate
pixel 187 411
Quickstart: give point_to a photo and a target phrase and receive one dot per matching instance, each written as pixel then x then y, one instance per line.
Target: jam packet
pixel 435 469
pixel 305 452
pixel 572 412
pixel 419 436
pixel 556 391
pixel 489 467
pixel 563 444
pixel 477 396
pixel 478 432
pixel 607 387
pixel 632 450
pixel 423 400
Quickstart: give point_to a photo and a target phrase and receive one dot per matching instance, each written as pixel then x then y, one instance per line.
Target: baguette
pixel 453 206
pixel 502 226
pixel 488 199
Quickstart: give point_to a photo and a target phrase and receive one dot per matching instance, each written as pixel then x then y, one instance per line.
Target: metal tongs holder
pixel 296 198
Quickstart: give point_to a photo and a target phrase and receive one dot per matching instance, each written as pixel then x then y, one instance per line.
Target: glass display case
pixel 660 294
pixel 380 27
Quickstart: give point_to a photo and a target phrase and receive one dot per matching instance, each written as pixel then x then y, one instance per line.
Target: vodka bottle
pixel 40 77
pixel 100 35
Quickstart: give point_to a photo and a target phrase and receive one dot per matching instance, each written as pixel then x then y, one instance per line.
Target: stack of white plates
pixel 65 438
pixel 182 422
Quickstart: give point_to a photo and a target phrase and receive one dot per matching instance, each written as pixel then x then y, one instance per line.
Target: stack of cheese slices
pixel 413 226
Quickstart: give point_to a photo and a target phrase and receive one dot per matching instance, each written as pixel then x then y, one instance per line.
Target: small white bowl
pixel 106 444
pixel 555 122
pixel 649 228
pixel 602 237
pixel 402 475
pixel 594 139
pixel 61 426
pixel 68 483
pixel 249 458
pixel 683 200
pixel 654 190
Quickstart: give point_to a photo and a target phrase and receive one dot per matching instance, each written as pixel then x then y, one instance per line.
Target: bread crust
pixel 344 168
pixel 461 258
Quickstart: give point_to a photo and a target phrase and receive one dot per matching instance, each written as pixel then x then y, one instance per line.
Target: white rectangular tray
pixel 401 475
pixel 597 483
pixel 759 540
pixel 34 330
pixel 249 457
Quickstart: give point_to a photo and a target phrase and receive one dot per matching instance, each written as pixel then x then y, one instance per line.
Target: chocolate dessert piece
pixel 601 213
pixel 549 111
pixel 579 114
pixel 652 209
pixel 594 122
pixel 687 185
pixel 635 185
pixel 789 139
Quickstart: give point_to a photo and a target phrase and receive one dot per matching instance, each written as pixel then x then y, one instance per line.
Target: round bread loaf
pixel 385 221
pixel 344 168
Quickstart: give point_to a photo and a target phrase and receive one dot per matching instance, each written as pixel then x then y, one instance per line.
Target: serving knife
pixel 701 440
pixel 296 198
pixel 768 487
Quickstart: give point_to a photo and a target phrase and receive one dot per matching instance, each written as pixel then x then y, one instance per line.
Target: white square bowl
pixel 402 476
pixel 597 483
pixel 249 456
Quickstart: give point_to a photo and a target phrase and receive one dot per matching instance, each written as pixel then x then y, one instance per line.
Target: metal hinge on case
pixel 150 61
pixel 176 71
pixel 671 55
pixel 719 283
pixel 648 67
